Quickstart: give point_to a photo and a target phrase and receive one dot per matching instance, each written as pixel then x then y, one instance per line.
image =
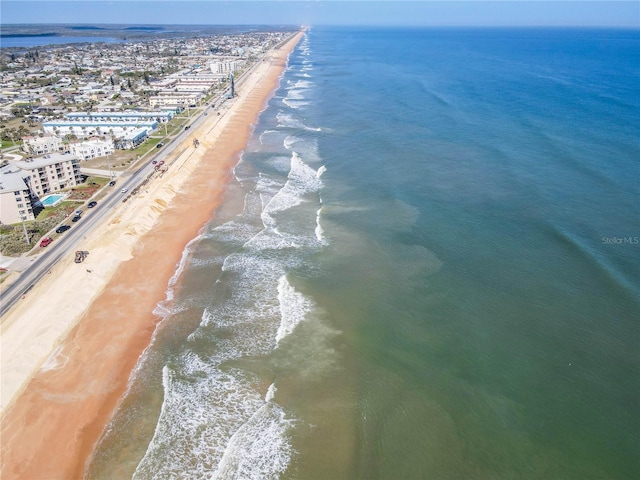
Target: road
pixel 67 243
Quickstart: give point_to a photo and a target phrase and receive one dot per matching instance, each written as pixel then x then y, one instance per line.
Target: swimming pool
pixel 52 200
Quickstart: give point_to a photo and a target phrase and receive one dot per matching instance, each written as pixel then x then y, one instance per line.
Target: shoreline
pixel 64 376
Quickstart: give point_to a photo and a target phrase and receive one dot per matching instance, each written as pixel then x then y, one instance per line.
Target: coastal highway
pixel 70 241
pixel 67 243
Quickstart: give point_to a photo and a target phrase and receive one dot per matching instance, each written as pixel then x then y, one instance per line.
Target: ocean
pixel 426 267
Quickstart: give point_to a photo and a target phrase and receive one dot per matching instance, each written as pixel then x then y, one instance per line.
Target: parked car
pixel 46 241
pixel 187 127
pixel 159 145
pixel 78 212
pixel 92 204
pixel 62 228
pixel 112 183
pixel 153 162
pixel 76 218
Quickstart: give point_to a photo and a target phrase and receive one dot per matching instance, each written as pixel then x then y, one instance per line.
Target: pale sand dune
pixel 68 351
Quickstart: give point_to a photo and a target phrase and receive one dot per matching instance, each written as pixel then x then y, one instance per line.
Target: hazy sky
pixel 325 12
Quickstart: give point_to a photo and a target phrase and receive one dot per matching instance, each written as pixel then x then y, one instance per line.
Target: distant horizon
pixel 459 13
pixel 452 26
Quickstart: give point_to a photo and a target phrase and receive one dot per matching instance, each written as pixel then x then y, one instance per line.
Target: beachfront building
pixel 222 68
pixel 200 87
pixel 50 173
pixel 38 146
pixel 174 99
pixel 132 138
pixel 115 117
pixel 84 129
pixel 92 148
pixel 15 200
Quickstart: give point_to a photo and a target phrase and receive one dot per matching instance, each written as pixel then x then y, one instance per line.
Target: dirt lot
pixel 120 160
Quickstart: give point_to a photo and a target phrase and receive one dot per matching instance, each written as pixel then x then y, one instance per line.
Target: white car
pixel 124 190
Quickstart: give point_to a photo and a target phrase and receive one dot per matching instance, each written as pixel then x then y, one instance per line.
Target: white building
pixel 15 202
pixel 132 116
pixel 44 145
pixel 84 129
pixel 174 99
pixel 92 148
pixel 133 138
pixel 200 87
pixel 50 173
pixel 224 67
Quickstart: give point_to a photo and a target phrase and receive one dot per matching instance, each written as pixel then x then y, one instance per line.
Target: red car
pixel 46 241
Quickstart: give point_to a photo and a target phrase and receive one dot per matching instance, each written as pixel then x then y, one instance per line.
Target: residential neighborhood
pixel 61 106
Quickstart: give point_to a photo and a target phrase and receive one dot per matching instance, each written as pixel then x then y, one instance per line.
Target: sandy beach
pixel 68 349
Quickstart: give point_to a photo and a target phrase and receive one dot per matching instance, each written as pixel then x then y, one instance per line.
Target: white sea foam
pixel 287 120
pixel 264 134
pixel 305 84
pixel 295 104
pixel 306 146
pixel 289 141
pixel 319 231
pixel 295 94
pixel 293 308
pixel 163 308
pixel 271 393
pixel 302 180
pixel 203 408
pixel 260 448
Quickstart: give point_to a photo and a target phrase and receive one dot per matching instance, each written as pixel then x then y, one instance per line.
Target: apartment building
pixel 44 145
pixel 92 148
pixel 15 202
pixel 132 139
pixel 50 173
pixel 224 66
pixel 132 116
pixel 84 129
pixel 173 99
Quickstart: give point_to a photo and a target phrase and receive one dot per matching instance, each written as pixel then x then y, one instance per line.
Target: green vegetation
pixel 12 237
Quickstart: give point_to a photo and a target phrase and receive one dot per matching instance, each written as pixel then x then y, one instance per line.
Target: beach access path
pixel 68 353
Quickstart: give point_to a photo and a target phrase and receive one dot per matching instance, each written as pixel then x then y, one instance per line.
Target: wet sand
pixel 100 318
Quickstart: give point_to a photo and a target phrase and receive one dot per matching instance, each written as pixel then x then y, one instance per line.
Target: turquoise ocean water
pixel 427 267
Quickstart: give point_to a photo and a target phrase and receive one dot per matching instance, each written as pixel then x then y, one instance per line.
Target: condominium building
pixel 115 117
pixel 132 138
pixel 50 173
pixel 92 148
pixel 44 145
pixel 224 67
pixel 15 201
pixel 174 99
pixel 84 129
